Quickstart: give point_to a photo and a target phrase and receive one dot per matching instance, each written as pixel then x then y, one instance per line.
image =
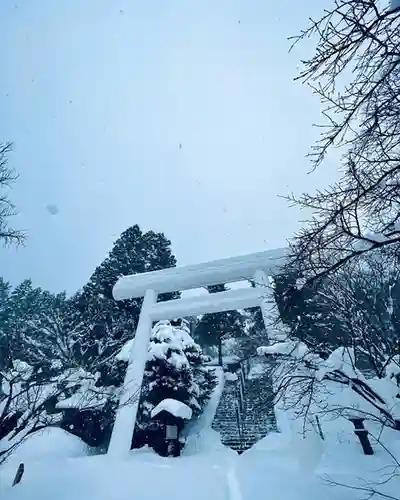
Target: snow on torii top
pixel 198 275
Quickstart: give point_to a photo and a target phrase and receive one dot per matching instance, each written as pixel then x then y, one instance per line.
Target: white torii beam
pixel 202 304
pixel 255 267
pixel 198 275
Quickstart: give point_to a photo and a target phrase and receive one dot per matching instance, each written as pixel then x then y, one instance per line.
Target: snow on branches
pixel 360 212
pixel 304 380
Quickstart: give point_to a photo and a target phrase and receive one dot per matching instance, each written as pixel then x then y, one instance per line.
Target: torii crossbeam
pixel 256 266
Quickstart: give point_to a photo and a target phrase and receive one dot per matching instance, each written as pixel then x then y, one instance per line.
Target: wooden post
pixel 361 432
pixel 19 474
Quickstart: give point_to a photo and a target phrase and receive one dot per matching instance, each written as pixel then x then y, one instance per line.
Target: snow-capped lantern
pixel 172 414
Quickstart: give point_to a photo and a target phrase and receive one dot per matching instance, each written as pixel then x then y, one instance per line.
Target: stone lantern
pixel 172 415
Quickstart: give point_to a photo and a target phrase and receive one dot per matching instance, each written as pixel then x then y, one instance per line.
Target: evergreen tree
pixel 254 334
pixel 5 344
pixel 175 370
pixel 213 328
pixel 103 324
pixel 35 370
pixel 34 322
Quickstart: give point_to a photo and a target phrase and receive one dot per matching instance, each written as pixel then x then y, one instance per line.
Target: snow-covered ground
pixel 144 475
pixel 281 466
pixel 291 468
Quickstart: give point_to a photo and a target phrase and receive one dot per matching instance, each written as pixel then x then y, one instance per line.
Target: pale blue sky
pixel 97 96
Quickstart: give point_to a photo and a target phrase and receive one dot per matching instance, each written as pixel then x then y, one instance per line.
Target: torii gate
pixel 256 266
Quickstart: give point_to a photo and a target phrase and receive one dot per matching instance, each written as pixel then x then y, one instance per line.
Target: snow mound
pixel 51 446
pixel 207 442
pixel 281 466
pixel 174 407
pixel 50 443
pixel 144 475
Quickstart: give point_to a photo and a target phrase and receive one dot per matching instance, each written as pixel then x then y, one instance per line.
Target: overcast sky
pixel 180 116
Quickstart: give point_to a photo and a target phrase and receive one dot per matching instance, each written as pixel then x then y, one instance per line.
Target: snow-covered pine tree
pixel 175 369
pixel 5 289
pixel 36 326
pixel 105 325
pixel 38 369
pixel 204 377
pixel 34 360
pixel 101 325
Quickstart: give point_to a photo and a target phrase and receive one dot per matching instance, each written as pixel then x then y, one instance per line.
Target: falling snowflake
pixel 52 209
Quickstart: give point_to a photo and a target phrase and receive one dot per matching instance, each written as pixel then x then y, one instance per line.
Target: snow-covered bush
pixel 88 407
pixel 31 399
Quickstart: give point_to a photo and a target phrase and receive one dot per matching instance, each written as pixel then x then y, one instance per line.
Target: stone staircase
pixel 245 413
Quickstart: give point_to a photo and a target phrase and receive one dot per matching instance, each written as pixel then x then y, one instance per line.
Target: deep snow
pixel 282 466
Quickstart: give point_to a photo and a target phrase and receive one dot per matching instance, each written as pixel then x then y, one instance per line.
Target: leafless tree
pixel 298 388
pixel 23 403
pixel 30 402
pixel 358 41
pixel 8 235
pixel 365 297
pixel 357 306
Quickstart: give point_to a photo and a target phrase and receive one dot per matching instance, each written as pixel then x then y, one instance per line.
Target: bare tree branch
pixel 8 235
pixel 360 43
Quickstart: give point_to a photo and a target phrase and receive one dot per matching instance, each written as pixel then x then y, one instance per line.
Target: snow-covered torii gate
pixel 256 266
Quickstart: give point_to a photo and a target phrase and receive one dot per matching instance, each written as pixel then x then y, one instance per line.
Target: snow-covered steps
pixel 226 418
pixel 258 417
pixel 241 425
